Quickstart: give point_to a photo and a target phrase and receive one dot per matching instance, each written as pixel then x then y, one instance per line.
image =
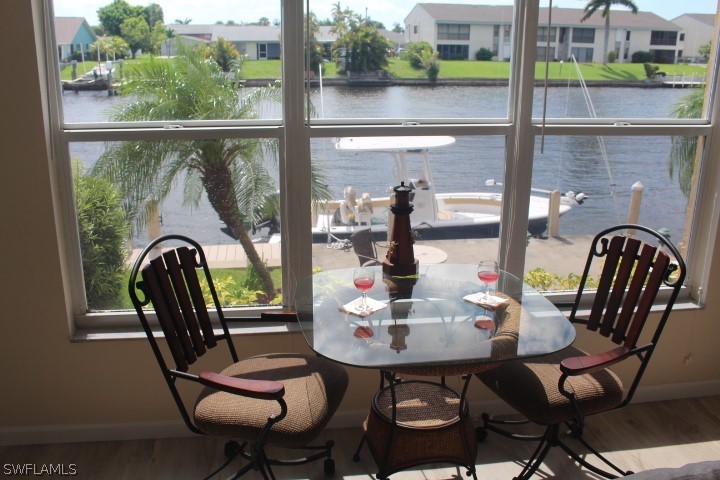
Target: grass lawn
pixel 451 69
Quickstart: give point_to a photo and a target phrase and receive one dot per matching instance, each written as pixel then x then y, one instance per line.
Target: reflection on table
pixel 424 321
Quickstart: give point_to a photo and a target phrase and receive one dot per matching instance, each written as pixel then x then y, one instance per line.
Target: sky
pixel 387 12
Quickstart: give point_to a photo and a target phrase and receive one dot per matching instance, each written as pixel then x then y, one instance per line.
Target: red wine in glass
pixel 364 279
pixel 488 273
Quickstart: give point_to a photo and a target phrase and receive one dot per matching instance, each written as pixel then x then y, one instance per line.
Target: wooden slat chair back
pixel 170 284
pixel 632 275
pixel 559 390
pixel 279 399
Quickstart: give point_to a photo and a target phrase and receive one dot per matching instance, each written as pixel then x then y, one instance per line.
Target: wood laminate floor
pixel 639 437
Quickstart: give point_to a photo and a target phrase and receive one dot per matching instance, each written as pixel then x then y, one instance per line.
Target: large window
pixel 583 35
pixel 663 38
pixel 310 162
pixel 453 52
pixel 449 31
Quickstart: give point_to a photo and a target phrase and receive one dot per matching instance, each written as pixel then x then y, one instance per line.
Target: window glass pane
pixel 632 181
pixel 100 53
pixel 412 47
pixel 623 88
pixel 128 193
pixel 450 197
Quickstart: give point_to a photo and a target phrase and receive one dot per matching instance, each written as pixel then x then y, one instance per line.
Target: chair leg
pixel 549 439
pixel 575 456
pixel 356 456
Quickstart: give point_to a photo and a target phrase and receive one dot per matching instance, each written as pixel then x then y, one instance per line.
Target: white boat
pixel 435 215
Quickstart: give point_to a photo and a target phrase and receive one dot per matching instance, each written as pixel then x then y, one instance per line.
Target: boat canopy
pixel 393 144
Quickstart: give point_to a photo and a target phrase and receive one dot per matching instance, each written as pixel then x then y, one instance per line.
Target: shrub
pixel 642 56
pixel 484 54
pixel 103 228
pixel 541 279
pixel 432 70
pixel 650 70
pixel 612 56
pixel 415 53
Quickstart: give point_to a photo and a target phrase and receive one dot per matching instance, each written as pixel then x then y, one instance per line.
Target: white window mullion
pixel 295 215
pixel 520 144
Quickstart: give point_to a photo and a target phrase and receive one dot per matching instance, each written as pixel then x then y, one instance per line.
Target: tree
pixel 397 28
pixel 158 35
pixel 113 15
pixel 223 52
pixel 604 6
pixel 264 21
pixel 104 229
pixel 183 22
pixel 136 32
pixel 232 172
pixel 365 48
pixel 683 150
pixel 112 48
pixel 704 50
pixel 154 14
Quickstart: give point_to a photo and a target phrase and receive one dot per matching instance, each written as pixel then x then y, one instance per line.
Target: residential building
pixel 697 30
pixel 254 41
pixel 74 37
pixel 459 31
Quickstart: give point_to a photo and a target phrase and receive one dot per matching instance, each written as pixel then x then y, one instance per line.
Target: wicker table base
pixel 431 426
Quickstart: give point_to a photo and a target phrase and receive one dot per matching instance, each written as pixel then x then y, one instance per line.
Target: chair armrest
pixel 591 363
pixel 261 389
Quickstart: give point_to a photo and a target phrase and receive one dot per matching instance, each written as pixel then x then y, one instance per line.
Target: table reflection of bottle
pixel 398 332
pixel 400 292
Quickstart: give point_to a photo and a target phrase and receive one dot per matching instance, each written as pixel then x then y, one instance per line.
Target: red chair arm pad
pixel 262 389
pixel 591 363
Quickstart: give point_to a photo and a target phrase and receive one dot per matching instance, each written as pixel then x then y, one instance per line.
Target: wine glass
pixel 363 278
pixel 488 273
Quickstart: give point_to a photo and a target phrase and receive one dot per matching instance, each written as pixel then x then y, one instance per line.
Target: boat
pixel 435 215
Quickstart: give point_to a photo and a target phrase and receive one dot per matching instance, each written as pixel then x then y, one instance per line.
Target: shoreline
pixel 471 82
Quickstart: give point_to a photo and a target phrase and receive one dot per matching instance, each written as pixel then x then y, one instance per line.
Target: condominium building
pixel 459 31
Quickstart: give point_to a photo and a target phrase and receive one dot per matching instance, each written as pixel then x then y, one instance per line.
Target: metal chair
pixel 278 399
pixel 563 389
pixel 364 247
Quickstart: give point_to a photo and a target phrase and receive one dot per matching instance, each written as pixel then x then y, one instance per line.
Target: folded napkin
pixel 352 307
pixel 487 301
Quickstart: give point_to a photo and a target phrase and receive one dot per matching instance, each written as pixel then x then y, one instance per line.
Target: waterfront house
pixel 697 30
pixel 74 37
pixel 459 31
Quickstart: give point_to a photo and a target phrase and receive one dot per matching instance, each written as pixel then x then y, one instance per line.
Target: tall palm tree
pixel 684 149
pixel 231 171
pixel 604 6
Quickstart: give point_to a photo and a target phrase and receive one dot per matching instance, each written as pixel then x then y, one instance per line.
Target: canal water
pixel 565 163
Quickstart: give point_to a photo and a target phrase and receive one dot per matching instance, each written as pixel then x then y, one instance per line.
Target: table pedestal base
pixel 431 426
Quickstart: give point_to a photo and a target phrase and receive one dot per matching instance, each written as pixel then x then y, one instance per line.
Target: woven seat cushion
pixel 531 387
pixel 314 388
pixel 420 404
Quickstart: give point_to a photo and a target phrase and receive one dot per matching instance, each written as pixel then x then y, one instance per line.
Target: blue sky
pixel 388 12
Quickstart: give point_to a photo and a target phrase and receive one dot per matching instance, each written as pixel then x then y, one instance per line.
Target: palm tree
pixel 684 149
pixel 604 6
pixel 231 171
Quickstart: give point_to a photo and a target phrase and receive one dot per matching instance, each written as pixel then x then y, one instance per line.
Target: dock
pixel 561 255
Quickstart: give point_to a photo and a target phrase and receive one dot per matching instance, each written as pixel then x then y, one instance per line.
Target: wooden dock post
pixel 554 214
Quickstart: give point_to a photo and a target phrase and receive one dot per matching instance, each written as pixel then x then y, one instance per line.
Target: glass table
pixel 425 325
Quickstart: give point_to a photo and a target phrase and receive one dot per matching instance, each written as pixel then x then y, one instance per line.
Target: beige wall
pixel 47 381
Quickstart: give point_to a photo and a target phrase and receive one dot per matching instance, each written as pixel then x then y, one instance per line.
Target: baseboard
pixel 344 419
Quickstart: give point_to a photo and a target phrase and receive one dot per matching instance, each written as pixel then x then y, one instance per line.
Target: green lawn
pixel 457 69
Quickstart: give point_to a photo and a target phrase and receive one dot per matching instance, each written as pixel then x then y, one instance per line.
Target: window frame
pixel 294 132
